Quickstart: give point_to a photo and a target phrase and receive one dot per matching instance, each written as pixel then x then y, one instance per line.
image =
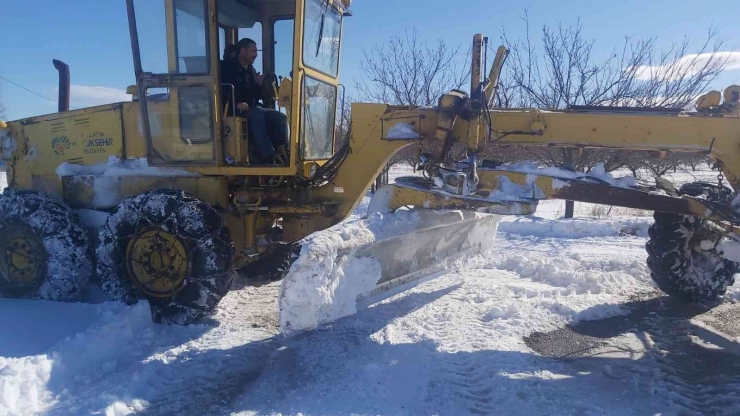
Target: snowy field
pixel 561 320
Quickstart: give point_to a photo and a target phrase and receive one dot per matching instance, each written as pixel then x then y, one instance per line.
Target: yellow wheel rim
pixel 158 262
pixel 22 256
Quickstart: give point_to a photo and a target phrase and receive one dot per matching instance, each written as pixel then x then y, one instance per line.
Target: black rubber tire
pixel 679 266
pixel 198 225
pixel 68 255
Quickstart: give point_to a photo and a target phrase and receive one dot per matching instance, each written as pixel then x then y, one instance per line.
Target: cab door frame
pixel 174 80
pixel 301 70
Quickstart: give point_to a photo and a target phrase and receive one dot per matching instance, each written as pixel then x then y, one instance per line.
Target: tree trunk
pixel 569 206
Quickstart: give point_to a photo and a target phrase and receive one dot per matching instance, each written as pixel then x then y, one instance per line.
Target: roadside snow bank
pixel 89 345
pixel 338 265
pixel 576 227
pixel 23 385
pixel 576 274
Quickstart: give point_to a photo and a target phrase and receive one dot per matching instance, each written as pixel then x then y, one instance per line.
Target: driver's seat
pixel 234 130
pixel 237 146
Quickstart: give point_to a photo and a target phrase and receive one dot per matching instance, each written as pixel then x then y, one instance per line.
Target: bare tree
pixel 343 121
pixel 566 74
pixel 694 160
pixel 407 71
pixel 634 74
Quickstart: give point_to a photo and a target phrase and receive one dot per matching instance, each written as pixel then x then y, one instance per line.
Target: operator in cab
pixel 268 128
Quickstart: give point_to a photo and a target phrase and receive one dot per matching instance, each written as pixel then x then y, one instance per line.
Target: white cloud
pixel 688 64
pixel 90 95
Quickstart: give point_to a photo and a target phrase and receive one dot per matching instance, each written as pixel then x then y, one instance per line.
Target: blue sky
pixel 92 36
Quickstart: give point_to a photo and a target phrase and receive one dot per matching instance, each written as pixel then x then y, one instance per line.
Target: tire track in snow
pixel 705 379
pixel 535 290
pixel 214 373
pixel 462 377
pixel 679 365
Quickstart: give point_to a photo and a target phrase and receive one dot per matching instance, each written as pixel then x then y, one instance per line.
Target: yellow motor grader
pixel 183 204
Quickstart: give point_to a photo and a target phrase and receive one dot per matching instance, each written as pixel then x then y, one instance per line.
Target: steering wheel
pixel 269 90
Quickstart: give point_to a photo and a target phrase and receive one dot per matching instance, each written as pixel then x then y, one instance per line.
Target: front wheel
pixel 169 248
pixel 44 252
pixel 682 252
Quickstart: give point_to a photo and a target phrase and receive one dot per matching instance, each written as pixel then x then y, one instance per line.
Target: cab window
pixel 282 35
pixel 321 42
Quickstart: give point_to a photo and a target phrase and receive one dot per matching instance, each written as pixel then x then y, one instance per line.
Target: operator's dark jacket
pixel 246 88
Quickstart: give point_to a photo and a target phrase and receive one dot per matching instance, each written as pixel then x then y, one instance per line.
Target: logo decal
pixel 96 142
pixel 60 145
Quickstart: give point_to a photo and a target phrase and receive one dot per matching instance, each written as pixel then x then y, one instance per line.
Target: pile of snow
pixel 105 182
pixel 62 349
pixel 402 131
pixel 339 265
pixel 576 227
pixel 598 172
pixel 730 250
pixel 7 144
pixel 116 166
pixel 575 273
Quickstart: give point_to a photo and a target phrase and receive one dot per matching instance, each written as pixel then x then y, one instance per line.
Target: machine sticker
pixel 60 145
pixel 97 142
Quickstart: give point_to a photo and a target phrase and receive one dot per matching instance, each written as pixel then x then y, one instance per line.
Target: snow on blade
pixel 402 131
pixel 338 266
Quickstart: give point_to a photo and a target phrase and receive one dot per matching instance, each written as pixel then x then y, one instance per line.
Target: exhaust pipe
pixel 63 84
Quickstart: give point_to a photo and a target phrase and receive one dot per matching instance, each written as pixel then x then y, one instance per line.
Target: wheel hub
pixel 22 257
pixel 158 262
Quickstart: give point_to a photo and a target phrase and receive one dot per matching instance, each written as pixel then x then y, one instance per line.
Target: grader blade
pixel 335 272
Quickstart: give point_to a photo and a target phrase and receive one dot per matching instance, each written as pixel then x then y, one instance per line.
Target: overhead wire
pixel 28 90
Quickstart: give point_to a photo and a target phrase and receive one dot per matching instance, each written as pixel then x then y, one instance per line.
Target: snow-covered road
pixel 549 324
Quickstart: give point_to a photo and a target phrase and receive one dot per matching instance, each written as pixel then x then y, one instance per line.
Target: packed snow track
pixel 562 319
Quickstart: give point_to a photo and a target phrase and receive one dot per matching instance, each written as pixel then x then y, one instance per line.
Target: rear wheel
pixel 169 248
pixel 682 252
pixel 44 252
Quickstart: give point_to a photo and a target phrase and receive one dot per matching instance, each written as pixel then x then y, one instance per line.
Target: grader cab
pixel 180 206
pixel 190 109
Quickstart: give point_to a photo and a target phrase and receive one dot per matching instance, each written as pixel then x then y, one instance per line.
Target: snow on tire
pixel 682 254
pixel 203 235
pixel 67 255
